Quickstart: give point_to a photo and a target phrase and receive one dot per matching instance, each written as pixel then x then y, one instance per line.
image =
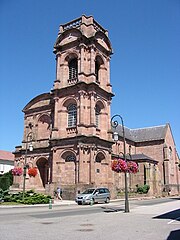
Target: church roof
pixel 142 157
pixel 143 134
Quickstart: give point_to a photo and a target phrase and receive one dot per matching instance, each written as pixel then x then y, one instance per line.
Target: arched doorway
pixel 43 168
pixel 101 168
pixel 70 168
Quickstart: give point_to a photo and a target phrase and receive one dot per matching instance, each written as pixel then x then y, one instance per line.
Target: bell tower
pixel 82 96
pixel 82 53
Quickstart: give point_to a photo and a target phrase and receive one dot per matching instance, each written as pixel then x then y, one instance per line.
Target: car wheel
pixel 107 200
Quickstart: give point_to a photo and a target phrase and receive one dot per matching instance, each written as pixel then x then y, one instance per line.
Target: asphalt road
pixel 148 219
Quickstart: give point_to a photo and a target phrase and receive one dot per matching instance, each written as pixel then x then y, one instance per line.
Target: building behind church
pixel 70 130
pixel 6 161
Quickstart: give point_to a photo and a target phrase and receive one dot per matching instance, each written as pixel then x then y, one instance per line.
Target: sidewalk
pixel 57 202
pixel 64 202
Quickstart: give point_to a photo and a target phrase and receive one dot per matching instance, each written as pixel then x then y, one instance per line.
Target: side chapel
pixel 69 127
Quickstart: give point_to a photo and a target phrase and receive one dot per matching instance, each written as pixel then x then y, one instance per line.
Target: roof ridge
pixel 164 125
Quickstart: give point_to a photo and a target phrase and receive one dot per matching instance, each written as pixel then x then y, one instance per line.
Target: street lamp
pixel 114 124
pixel 29 138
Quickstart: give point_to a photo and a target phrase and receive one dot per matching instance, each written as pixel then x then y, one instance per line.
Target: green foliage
pixel 30 197
pixel 4 183
pixel 3 194
pixel 143 189
pixel 10 176
pixel 6 180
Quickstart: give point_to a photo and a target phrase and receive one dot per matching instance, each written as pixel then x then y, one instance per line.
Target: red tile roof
pixel 4 155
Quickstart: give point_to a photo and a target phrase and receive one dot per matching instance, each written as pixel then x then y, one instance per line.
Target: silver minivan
pixel 93 195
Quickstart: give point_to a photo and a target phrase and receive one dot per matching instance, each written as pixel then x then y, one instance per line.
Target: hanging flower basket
pixel 32 172
pixel 132 167
pixel 119 165
pixel 17 171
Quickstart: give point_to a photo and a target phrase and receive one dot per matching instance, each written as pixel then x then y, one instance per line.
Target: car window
pixel 88 191
pixel 106 190
pixel 101 190
pixel 97 191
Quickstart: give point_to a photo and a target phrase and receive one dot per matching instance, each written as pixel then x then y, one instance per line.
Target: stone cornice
pixel 83 86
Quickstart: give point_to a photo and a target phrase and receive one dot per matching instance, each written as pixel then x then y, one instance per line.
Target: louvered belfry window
pixel 72 115
pixel 97 113
pixel 73 68
pixel 97 66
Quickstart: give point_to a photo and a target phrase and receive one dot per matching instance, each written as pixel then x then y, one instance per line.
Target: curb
pixel 64 203
pixel 71 202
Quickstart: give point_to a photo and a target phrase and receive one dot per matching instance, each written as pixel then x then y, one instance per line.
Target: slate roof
pixel 5 155
pixel 142 157
pixel 143 134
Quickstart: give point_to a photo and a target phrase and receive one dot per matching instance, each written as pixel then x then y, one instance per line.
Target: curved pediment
pixel 41 100
pixel 103 40
pixel 68 36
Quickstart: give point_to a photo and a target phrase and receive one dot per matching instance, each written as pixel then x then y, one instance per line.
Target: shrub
pixel 4 183
pixel 143 189
pixel 6 180
pixel 10 176
pixel 30 197
pixel 3 194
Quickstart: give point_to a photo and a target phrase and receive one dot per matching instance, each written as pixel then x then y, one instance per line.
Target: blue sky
pixel 145 66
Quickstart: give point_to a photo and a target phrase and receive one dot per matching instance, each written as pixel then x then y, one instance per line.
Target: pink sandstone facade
pixel 155 152
pixel 70 128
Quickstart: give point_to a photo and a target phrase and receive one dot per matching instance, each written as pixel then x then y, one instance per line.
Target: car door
pixel 97 196
pixel 102 194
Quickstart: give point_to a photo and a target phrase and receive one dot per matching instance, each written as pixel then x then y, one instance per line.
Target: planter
pixel 17 171
pixel 32 172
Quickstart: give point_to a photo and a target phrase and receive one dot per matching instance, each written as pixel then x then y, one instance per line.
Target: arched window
pixel 99 157
pixel 70 158
pixel 97 66
pixel 44 123
pixel 170 153
pixel 72 115
pixel 73 68
pixel 97 113
pixel 171 161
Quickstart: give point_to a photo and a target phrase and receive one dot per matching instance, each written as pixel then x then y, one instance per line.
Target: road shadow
pixel 112 209
pixel 174 235
pixel 174 215
pixel 175 198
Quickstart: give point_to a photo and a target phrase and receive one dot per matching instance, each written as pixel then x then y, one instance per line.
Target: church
pixel 68 135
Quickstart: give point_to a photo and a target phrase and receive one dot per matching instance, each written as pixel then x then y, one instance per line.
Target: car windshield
pixel 88 191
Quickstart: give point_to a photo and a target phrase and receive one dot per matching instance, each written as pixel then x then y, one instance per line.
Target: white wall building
pixel 6 161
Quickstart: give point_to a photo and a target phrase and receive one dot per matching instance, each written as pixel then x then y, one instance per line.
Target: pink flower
pixel 17 171
pixel 132 167
pixel 119 165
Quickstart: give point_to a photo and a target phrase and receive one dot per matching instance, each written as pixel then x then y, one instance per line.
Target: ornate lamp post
pixel 29 138
pixel 114 124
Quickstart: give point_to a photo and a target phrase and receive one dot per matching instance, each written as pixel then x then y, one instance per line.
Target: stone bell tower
pixel 82 95
pixel 70 125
